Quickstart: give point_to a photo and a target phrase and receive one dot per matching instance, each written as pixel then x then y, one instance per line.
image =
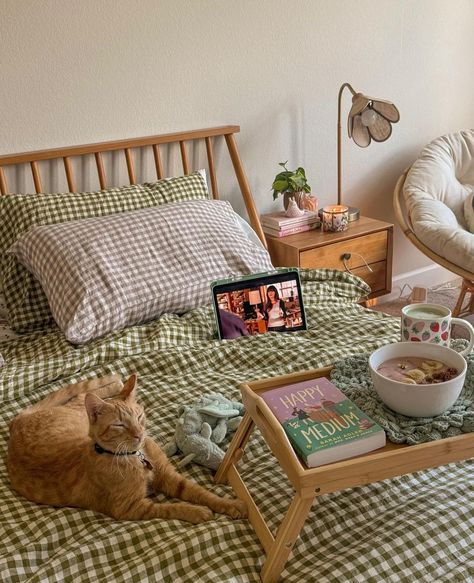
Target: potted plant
pixel 290 183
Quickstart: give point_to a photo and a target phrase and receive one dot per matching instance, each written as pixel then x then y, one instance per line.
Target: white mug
pixel 431 323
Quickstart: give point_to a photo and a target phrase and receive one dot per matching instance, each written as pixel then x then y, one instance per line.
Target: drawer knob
pixel 346 257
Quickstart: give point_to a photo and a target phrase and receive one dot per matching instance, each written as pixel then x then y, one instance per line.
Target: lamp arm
pixel 339 139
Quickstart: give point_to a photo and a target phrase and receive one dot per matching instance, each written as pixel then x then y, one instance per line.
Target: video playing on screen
pixel 259 307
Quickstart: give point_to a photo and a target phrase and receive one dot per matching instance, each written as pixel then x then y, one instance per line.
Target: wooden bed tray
pixel 67 154
pixel 387 462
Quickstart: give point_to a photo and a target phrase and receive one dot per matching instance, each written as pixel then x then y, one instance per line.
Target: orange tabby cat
pixel 75 449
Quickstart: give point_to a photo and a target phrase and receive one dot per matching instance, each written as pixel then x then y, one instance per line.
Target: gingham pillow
pixel 26 302
pixel 107 273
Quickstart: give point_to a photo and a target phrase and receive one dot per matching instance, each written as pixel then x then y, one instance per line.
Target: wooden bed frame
pixel 181 138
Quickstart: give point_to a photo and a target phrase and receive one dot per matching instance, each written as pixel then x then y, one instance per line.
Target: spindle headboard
pixel 98 149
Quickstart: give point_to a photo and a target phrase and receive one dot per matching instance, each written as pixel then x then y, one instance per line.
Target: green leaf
pixel 283 175
pixel 276 194
pixel 280 185
pixel 290 180
pixel 298 181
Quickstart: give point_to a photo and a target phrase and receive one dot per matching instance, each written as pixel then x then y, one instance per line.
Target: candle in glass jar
pixel 335 218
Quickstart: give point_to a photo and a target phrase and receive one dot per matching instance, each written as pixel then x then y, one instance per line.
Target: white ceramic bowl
pixel 418 400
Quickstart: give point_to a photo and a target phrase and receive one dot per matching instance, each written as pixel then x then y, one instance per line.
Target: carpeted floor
pixel 445 295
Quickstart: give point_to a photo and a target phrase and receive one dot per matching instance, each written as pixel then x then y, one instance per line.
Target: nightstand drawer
pixel 375 278
pixel 367 241
pixel 366 249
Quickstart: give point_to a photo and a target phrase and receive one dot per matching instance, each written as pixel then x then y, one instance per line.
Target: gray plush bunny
pixel 201 426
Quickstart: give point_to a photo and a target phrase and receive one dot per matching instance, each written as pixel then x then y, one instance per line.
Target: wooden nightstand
pixel 366 241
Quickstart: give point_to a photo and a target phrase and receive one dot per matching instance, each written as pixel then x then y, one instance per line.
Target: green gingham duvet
pixel 416 528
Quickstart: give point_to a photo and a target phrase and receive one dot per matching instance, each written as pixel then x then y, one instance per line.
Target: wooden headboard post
pixel 208 135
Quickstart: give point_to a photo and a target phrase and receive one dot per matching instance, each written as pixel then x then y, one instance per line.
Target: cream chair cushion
pixel 435 191
pixel 469 211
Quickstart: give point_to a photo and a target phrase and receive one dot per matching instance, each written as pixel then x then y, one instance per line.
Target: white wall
pixel 91 70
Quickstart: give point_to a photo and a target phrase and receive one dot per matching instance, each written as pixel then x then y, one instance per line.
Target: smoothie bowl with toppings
pixel 417 379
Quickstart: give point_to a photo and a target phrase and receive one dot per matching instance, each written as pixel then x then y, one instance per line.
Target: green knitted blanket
pixel 352 376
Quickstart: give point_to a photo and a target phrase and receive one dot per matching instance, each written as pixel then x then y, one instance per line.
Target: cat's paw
pixel 198 514
pixel 237 509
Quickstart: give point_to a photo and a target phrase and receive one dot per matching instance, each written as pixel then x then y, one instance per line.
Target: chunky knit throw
pixel 352 376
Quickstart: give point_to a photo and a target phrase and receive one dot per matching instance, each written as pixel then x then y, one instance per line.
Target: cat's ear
pixel 94 406
pixel 129 389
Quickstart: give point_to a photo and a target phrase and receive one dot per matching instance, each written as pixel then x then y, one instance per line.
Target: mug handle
pixel 470 329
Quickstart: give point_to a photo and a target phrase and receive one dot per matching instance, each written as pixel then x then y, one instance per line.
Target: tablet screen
pixel 259 304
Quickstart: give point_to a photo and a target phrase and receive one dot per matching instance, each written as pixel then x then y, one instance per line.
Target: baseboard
pixel 429 276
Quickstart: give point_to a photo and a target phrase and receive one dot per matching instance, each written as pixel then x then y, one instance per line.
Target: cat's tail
pixel 104 387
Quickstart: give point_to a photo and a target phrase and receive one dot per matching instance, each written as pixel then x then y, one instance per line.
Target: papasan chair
pixel 429 202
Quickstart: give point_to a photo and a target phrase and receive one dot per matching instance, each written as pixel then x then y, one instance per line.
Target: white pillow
pixel 246 228
pixel 106 273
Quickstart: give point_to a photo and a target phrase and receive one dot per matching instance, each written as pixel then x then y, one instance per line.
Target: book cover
pixel 291 230
pixel 321 423
pixel 279 220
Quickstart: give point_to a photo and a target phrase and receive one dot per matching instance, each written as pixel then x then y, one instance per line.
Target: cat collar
pixel 137 453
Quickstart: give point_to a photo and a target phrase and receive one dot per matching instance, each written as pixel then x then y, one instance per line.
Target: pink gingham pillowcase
pixel 107 273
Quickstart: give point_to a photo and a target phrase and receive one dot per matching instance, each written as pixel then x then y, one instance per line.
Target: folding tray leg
pixel 278 549
pixel 287 534
pixel 236 448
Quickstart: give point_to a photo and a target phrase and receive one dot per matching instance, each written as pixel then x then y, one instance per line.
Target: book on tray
pixel 279 225
pixel 321 423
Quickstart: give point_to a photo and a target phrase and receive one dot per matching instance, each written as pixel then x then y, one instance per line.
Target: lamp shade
pixel 371 119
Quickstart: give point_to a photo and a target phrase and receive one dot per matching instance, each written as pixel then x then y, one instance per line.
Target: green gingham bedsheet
pixel 416 528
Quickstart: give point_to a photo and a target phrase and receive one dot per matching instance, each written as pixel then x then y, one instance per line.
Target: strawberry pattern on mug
pixel 431 323
pixel 419 331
